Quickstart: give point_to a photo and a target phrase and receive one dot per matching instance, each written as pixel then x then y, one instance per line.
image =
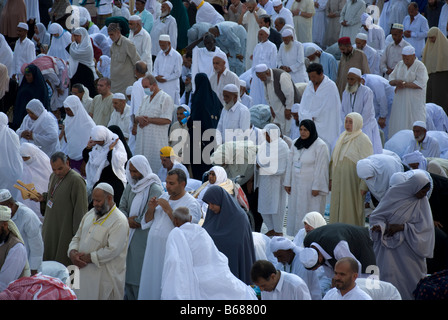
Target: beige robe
pixel 356 59
pixel 123 56
pixel 303 26
pixel 101 109
pixel 106 239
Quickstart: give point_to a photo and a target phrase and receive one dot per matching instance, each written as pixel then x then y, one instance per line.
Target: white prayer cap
pixel 308 257
pixel 310 50
pixel 398 26
pixel 280 243
pixel 186 107
pixel 119 96
pixel 266 30
pixel 295 108
pixel 135 17
pixel 169 4
pixel 287 33
pixel 261 67
pixel 419 124
pixel 364 17
pixel 221 55
pixel 315 219
pixel 22 25
pixel 82 21
pixel 355 71
pixel 5 213
pixel 242 83
pixel 231 88
pixel 408 50
pixel 361 36
pixel 276 3
pixel 5 195
pixel 105 187
pixel 164 37
pixel 129 90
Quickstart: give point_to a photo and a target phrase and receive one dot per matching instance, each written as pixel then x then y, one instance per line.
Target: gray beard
pixel 229 105
pixel 352 89
pixel 104 209
pixel 288 46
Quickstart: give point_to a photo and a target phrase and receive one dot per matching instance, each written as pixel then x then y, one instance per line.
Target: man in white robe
pixel 291 57
pixel 188 249
pixel 24 52
pixel 350 18
pixel 250 20
pixel 409 78
pixel 392 53
pixel 153 118
pixel 168 68
pixel 281 11
pixel 165 24
pixel 427 145
pixel 359 98
pixel 321 103
pixel 159 218
pixel 267 6
pixel 320 22
pixel 137 95
pixel 415 29
pixel 373 56
pixel 99 248
pixel 222 76
pixel 375 34
pixel 121 115
pixel 141 39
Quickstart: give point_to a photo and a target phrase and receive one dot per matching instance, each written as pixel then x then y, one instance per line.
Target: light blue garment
pixel 147 20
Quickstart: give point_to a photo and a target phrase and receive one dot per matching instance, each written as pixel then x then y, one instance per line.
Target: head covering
pixel 266 30
pixel 43 35
pixel 269 154
pixel 22 25
pixel 5 216
pixel 415 157
pixel 419 124
pixel 135 17
pixel 276 3
pixel 220 173
pixel 344 41
pixel 59 43
pixel 77 128
pixel 169 4
pixel 35 106
pixel 242 83
pixel 361 36
pixel 119 96
pixel 28 91
pixel 104 65
pixel 81 53
pixel 310 50
pixel 117 130
pixel 435 55
pixel 376 170
pixel 287 33
pixel 103 42
pixel 398 26
pixel 164 37
pixel 280 243
pixel 408 50
pixel 230 230
pixel 308 257
pixel 105 187
pixel 5 195
pixel 314 219
pixel 231 88
pixel 306 143
pixel 6 54
pixel 261 67
pixel 400 206
pixel 355 71
pixel 354 145
pixel 167 152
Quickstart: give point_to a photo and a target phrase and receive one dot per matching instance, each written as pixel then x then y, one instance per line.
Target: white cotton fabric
pixel 77 128
pixel 81 53
pixel 58 45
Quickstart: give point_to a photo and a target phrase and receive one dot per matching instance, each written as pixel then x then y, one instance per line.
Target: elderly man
pixel 99 248
pixel 29 226
pixel 222 76
pixel 121 115
pixel 102 104
pixel 315 54
pixel 359 98
pixel 373 56
pixel 159 218
pixel 65 205
pixel 153 118
pixel 276 284
pixel 345 287
pixel 24 52
pixel 281 11
pixel 409 79
pixel 375 34
pixel 123 55
pixel 274 36
pixel 351 57
pixel 235 117
pixel 427 145
pixel 280 93
pixel 416 29
pixel 350 18
pixel 290 57
pixel 321 103
pixel 13 261
pixel 141 40
pixel 392 53
pixel 164 24
pixel 142 186
pixel 168 68
pixel 250 20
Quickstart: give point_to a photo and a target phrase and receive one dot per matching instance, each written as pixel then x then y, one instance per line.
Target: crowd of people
pixel 221 149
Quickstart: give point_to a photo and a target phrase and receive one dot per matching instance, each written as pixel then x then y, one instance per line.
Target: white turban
pixel 22 25
pixel 355 71
pixel 408 50
pixel 261 68
pixel 5 195
pixel 308 257
pixel 280 243
pixel 231 88
pixel 419 124
pixel 164 37
pixel 119 96
pixel 105 187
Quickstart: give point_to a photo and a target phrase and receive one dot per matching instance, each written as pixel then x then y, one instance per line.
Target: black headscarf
pixel 27 91
pixel 117 130
pixel 306 143
pixel 230 230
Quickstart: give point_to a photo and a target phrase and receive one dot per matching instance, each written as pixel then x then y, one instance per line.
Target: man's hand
pixel 314 193
pixel 133 224
pixel 76 260
pixel 165 206
pixel 160 79
pixel 288 190
pixel 288 114
pixel 382 122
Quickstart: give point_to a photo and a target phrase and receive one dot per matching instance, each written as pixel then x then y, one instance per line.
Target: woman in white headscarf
pixel 347 202
pixel 60 39
pixel 402 230
pixel 40 127
pixel 269 176
pixel 104 66
pixel 103 42
pixel 36 170
pixel 105 158
pixel 311 221
pixel 6 54
pixel 78 126
pixel 41 37
pixel 11 164
pixel 81 61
